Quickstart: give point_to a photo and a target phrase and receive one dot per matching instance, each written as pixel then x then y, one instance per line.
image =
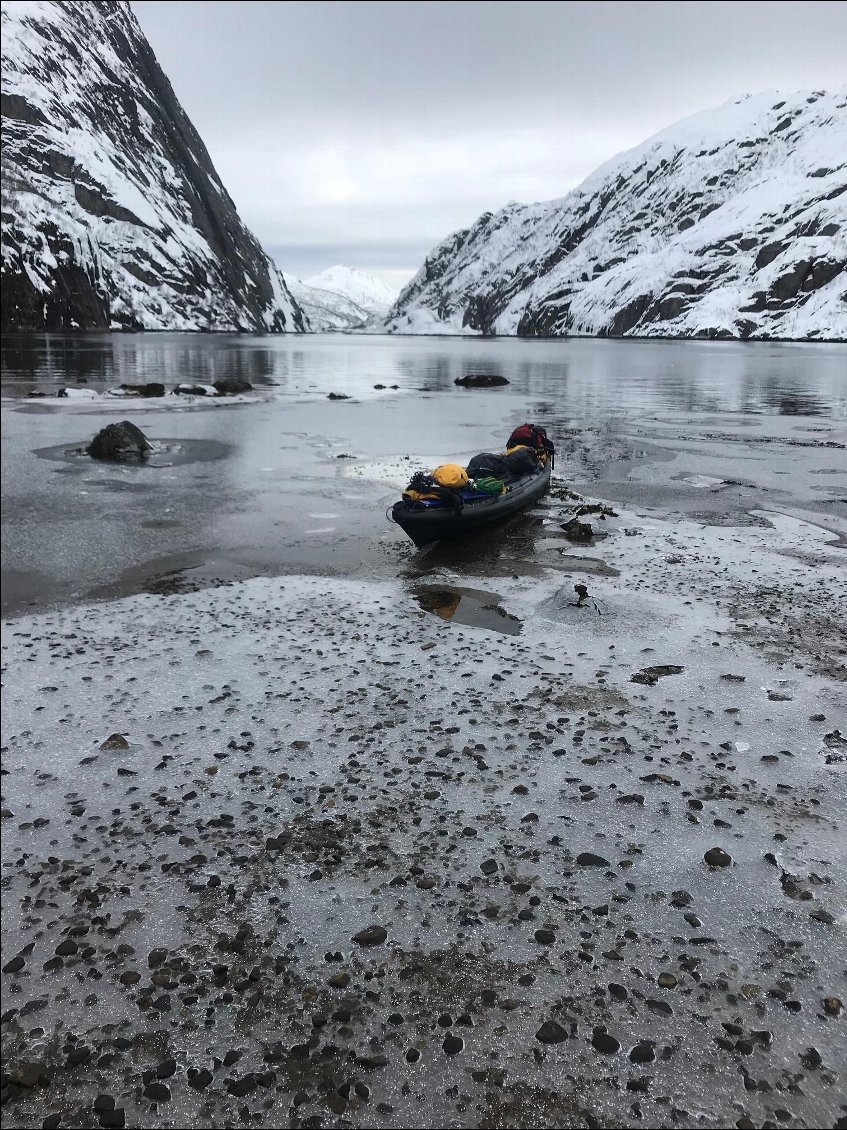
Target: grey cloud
pixel 394 261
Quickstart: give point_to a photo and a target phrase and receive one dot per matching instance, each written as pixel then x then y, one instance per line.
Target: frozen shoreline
pixel 311 756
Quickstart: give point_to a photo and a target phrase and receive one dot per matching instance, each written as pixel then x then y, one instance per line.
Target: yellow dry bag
pixel 451 475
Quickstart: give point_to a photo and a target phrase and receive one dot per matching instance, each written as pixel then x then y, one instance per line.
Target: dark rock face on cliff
pixel 113 215
pixel 730 224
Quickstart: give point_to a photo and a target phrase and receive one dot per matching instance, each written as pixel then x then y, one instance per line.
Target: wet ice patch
pixel 395 472
pixel 701 482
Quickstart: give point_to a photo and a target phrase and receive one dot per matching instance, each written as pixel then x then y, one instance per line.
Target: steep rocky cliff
pixel 730 224
pixel 113 214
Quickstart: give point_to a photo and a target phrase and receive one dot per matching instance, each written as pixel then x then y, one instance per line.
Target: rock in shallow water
pixel 118 443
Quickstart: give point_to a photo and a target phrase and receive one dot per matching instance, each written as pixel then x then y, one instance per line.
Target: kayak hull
pixel 426 526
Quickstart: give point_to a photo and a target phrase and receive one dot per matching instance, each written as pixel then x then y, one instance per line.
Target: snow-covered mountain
pixel 113 215
pixel 327 310
pixel 342 298
pixel 367 292
pixel 730 224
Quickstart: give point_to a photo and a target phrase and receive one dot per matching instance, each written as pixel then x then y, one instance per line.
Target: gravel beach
pixel 305 852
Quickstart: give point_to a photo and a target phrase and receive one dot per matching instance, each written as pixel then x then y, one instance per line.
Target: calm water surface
pixel 295 482
pixel 588 375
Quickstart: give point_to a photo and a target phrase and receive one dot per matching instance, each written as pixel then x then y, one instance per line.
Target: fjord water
pixel 294 482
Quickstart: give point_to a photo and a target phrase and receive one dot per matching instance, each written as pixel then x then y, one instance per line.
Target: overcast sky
pixel 363 133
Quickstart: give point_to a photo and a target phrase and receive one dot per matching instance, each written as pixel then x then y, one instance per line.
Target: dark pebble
pixel 604 1043
pixel 372 1062
pixel 157 1092
pixel 370 936
pixel 551 1032
pixel 661 1007
pixel 243 1086
pixel 811 1058
pixel 589 859
pixel 115 1119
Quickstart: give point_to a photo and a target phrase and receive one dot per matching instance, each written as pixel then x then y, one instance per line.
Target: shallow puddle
pixel 470 607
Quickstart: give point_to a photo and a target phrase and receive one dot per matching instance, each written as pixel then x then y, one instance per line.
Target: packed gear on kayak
pixel 518 461
pixel 451 475
pixel 531 435
pixel 450 500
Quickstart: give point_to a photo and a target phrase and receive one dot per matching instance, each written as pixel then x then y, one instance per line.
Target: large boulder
pixel 120 443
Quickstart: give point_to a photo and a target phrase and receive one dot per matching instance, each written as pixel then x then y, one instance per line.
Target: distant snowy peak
pixel 369 293
pixel 341 298
pixel 113 214
pixel 327 310
pixel 729 224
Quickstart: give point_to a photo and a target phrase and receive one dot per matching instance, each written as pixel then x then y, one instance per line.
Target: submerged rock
pixel 481 380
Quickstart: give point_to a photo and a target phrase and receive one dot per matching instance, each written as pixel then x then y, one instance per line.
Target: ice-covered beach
pixel 399 842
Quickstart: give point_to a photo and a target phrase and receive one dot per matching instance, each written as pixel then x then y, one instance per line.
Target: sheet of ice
pixel 308 756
